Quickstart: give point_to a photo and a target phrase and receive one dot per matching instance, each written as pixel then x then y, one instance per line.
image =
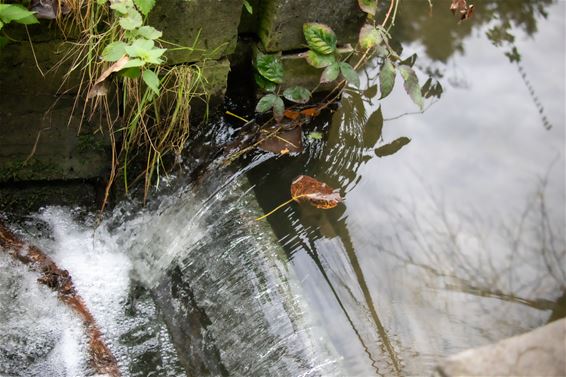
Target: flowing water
pixel 455 241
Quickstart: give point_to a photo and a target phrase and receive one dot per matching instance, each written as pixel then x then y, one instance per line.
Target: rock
pixel 281 21
pixel 541 352
pixel 210 26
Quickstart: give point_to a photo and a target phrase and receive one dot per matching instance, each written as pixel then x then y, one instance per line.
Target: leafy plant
pixel 14 13
pixel 269 75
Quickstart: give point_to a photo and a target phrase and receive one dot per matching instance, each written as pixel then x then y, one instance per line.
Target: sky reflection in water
pixel 458 239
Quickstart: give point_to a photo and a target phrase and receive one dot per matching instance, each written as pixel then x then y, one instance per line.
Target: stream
pixel 455 241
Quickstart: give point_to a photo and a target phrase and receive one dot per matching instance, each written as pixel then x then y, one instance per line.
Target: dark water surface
pixel 458 239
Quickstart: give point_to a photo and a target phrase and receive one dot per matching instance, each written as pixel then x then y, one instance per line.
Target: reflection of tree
pixel 523 262
pixel 442 36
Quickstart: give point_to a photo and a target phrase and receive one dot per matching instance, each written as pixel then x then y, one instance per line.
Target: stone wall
pixel 41 138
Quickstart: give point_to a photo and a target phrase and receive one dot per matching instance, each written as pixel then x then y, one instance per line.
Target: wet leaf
pixel 393 147
pixel 386 78
pixel 319 60
pixel 265 103
pixel 412 85
pixel 96 89
pixel 297 94
pixel 369 37
pixel 330 73
pixel 291 114
pixel 462 9
pixel 317 193
pixel 289 140
pixel 145 6
pixel 278 108
pixel 368 6
pixel 310 112
pixel 349 74
pixel 373 128
pixel 270 67
pixel 114 51
pixel 320 38
pixel 265 84
pixel 151 80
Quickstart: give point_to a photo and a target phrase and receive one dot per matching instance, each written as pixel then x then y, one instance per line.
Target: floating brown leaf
pixel 284 141
pixel 96 89
pixel 462 9
pixel 319 194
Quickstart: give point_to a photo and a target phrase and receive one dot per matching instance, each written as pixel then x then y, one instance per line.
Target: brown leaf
pixel 290 114
pixel 289 140
pixel 462 9
pixel 310 112
pixel 96 89
pixel 317 193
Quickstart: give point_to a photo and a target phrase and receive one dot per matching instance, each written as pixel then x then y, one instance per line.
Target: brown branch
pixel 59 280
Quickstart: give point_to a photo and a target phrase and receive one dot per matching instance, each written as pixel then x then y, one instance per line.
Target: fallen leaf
pixel 290 139
pixel 290 114
pixel 96 87
pixel 393 147
pixel 462 9
pixel 318 194
pixel 310 112
pixel 284 151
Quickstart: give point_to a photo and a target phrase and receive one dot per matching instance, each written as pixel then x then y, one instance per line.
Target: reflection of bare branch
pixel 521 263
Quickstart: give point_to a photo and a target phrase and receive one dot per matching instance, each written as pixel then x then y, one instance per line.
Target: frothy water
pixel 195 265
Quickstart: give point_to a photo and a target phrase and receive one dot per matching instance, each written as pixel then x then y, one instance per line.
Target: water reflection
pixel 458 239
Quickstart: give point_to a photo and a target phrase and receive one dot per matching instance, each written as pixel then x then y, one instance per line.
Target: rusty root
pixel 101 358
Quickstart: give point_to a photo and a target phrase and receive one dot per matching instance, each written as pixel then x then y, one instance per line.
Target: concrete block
pixel 281 21
pixel 39 139
pixel 210 26
pixel 540 352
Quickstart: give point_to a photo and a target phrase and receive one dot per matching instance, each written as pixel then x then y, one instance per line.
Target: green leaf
pixel 391 148
pixel 368 6
pixel 412 85
pixel 114 51
pixel 319 61
pixel 270 67
pixel 151 80
pixel 16 13
pixel 315 135
pixel 119 7
pixel 248 7
pixel 371 91
pixel 349 74
pixel 330 73
pixel 369 37
pixel 139 47
pixel 320 37
pixel 134 63
pixel 264 83
pixel 131 20
pixel 131 73
pixel 297 94
pixel 265 103
pixel 278 108
pixel 149 32
pixel 145 6
pixel 387 78
pixel 373 128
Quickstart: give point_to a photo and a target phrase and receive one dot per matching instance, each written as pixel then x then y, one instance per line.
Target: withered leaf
pixel 317 193
pixel 462 9
pixel 99 83
pixel 284 140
